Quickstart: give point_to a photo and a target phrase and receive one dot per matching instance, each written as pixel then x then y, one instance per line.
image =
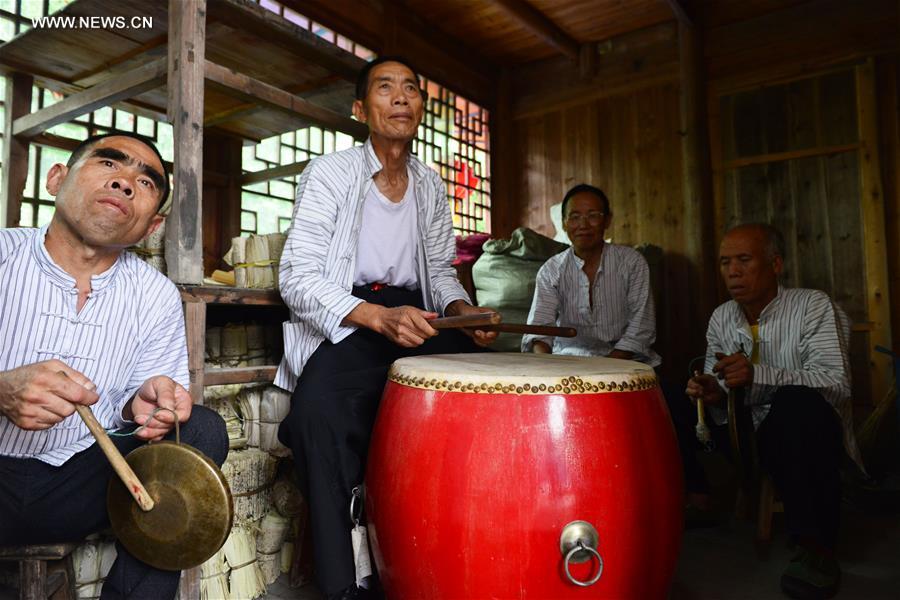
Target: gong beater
pixel 192 509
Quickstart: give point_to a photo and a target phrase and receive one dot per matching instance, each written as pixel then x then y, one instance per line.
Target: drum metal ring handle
pixel 578 543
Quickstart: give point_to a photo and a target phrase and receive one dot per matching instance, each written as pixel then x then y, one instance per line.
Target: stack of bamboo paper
pixel 273 408
pixel 92 562
pixel 152 248
pixel 250 474
pixel 255 260
pixel 242 345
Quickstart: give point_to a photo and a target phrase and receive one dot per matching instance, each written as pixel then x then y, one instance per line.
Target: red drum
pixel 523 476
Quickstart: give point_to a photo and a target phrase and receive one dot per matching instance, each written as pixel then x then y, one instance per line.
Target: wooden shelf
pixel 230 295
pixel 260 374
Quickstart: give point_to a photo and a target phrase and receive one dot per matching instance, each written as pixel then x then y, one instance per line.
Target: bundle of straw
pixel 152 249
pixel 214 577
pixel 225 407
pixel 256 344
pixel 245 580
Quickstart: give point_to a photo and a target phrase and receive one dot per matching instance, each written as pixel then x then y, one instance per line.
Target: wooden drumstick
pixel 478 320
pixel 122 469
pixel 703 433
pixel 533 329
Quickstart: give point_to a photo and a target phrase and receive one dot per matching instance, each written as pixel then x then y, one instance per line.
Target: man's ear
pixel 55 176
pixel 155 222
pixel 778 265
pixel 359 111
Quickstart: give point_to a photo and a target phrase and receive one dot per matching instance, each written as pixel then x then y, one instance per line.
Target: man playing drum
pixel 367 263
pixel 602 290
pixel 83 322
pixel 787 349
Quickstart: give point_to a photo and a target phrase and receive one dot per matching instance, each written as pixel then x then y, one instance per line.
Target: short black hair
pixel 774 239
pixel 583 187
pixel 362 80
pixel 89 143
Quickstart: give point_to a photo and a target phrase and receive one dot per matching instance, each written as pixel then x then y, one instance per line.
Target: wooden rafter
pixel 539 24
pixel 132 83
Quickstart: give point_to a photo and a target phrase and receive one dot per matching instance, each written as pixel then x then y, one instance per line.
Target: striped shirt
pixel 130 329
pixel 803 340
pixel 319 259
pixel 622 318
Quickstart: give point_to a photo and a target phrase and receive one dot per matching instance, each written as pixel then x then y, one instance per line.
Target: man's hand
pixel 158 392
pixel 539 347
pixel 406 326
pixel 621 354
pixel 735 370
pixel 705 387
pixel 479 336
pixel 40 395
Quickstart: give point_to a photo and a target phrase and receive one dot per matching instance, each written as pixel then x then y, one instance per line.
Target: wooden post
pixel 15 150
pixel 696 183
pixel 505 216
pixel 195 331
pixel 873 216
pixel 187 48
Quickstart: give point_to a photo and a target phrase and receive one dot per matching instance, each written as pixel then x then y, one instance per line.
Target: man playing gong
pixel 82 322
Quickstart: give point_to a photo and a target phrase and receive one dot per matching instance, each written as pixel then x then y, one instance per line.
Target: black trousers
pixel 800 445
pixel 333 410
pixel 40 503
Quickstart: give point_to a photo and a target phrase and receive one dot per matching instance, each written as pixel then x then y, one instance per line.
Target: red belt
pixel 377 286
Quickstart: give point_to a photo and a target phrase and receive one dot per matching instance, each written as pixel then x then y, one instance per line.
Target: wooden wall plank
pixel 873 226
pixel 888 81
pixel 184 232
pixel 15 149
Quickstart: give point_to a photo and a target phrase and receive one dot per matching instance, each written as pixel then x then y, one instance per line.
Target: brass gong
pixel 192 513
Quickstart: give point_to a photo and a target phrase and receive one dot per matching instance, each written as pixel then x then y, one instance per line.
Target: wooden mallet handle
pixel 466 321
pixel 533 329
pixel 128 477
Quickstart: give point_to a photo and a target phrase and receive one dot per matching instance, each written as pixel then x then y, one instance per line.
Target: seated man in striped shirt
pixel 367 263
pixel 600 289
pixel 787 349
pixel 84 322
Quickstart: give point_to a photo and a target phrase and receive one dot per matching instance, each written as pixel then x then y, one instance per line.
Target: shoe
pixel 811 575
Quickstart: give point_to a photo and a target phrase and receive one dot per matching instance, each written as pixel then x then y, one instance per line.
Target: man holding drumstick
pixel 366 265
pixel 601 289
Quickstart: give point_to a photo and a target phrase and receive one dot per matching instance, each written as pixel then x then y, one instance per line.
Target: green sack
pixel 504 278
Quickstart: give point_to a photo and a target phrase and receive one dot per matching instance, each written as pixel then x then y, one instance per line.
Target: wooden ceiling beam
pixel 540 25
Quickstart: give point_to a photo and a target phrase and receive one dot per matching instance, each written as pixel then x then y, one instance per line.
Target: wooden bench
pixel 45 570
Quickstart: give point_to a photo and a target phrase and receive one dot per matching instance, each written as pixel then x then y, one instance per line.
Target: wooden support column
pixel 696 180
pixel 874 245
pixel 221 196
pixel 15 150
pixel 195 331
pixel 888 80
pixel 187 48
pixel 505 214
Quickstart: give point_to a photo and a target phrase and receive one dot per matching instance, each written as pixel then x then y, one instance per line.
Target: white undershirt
pixel 387 240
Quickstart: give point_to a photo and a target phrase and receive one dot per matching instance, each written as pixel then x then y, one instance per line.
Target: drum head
pixel 522 373
pixel 193 509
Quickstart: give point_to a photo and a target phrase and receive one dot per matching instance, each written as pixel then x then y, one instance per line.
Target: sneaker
pixel 811 575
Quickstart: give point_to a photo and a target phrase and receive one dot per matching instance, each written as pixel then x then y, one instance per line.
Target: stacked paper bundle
pixel 92 561
pixel 250 474
pixel 272 532
pixel 273 408
pixel 245 580
pixel 152 249
pixel 255 260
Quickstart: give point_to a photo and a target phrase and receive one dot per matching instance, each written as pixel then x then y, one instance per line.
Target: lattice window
pixel 453 138
pixel 37 205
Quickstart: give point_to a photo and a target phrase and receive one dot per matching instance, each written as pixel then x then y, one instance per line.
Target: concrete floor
pixel 722 563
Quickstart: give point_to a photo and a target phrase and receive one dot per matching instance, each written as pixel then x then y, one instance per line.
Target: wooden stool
pixel 37 579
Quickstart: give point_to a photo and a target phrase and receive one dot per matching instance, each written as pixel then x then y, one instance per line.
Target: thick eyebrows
pixel 111 153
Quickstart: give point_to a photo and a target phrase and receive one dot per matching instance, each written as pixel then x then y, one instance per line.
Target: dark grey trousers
pixel 40 503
